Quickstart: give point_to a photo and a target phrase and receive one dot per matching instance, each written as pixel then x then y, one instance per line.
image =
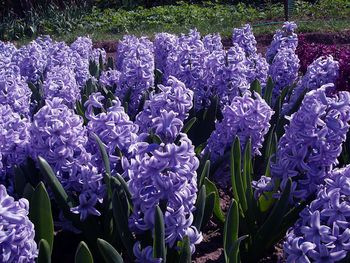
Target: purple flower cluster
pixel 312 141
pixel 320 72
pixel 165 174
pixel 187 63
pixel 113 127
pixel 322 233
pixel 284 70
pixel 283 38
pixel 244 37
pixel 258 69
pixel 246 117
pixel 15 141
pixel 308 52
pixel 164 43
pixel 60 82
pixel 110 78
pixel 174 97
pixel 14 91
pixel 16 231
pixel 135 60
pixel 213 42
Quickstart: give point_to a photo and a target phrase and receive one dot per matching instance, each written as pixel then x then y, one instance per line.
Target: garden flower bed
pixel 176 149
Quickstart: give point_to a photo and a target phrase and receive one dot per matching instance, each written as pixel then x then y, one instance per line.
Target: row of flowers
pixel 56 98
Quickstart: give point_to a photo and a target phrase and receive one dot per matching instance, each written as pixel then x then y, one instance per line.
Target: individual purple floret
pixel 85 179
pixel 312 141
pixel 244 37
pixel 15 139
pixel 113 127
pixel 165 174
pixel 284 70
pixel 246 117
pixel 164 43
pixel 322 71
pixel 213 42
pixel 15 92
pixel 110 78
pixel 144 255
pixel 173 97
pixel 16 230
pixel 137 71
pixel 60 83
pixel 263 185
pixel 283 38
pixel 57 135
pixel 322 233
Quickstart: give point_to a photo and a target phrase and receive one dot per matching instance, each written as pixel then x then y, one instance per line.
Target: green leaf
pixel 44 252
pixel 268 91
pixel 104 154
pixel 200 207
pixel 234 250
pixel 57 189
pixel 41 216
pixel 188 125
pixel 209 208
pixel 28 191
pixel 255 86
pixel 231 230
pixel 109 254
pixel 159 250
pixel 272 223
pixel 83 254
pixel 237 180
pixel 205 173
pixel 121 215
pixel 211 188
pixel 185 252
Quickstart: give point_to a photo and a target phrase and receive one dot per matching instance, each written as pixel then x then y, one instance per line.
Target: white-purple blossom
pixel 135 60
pixel 16 230
pixel 212 42
pixel 15 141
pixel 172 97
pixel 244 37
pixel 320 72
pixel 164 43
pixel 322 233
pixel 246 117
pixel 165 174
pixel 284 70
pixel 283 38
pixel 312 141
pixel 60 82
pixel 110 78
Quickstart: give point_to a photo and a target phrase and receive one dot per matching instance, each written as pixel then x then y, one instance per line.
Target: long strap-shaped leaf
pixel 231 229
pixel 120 213
pixel 44 252
pixel 83 254
pixel 41 216
pixel 185 253
pixel 272 223
pixel 109 254
pixel 211 188
pixel 200 208
pixel 159 250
